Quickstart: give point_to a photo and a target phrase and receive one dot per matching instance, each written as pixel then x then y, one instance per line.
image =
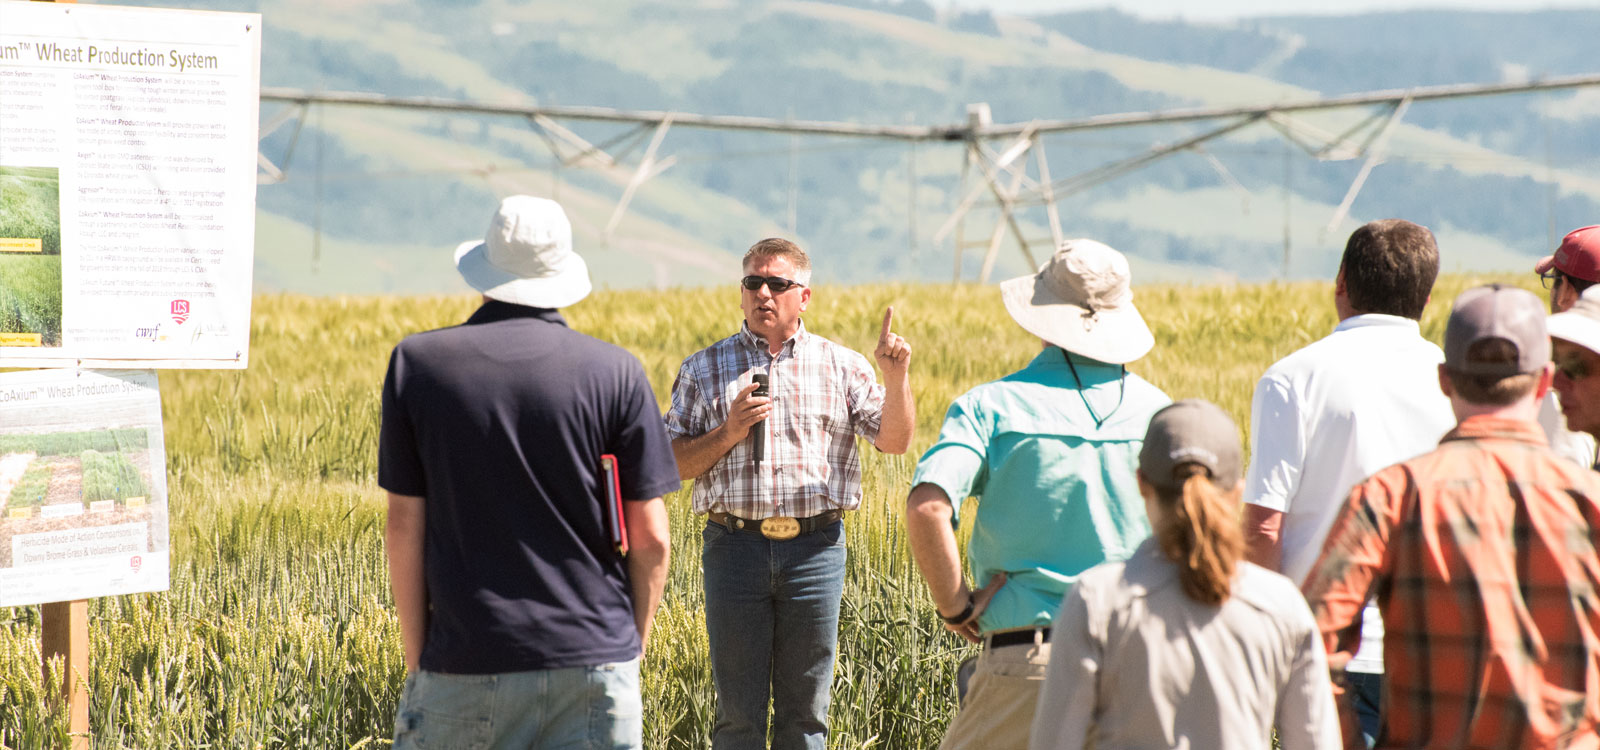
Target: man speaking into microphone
pixel 765 422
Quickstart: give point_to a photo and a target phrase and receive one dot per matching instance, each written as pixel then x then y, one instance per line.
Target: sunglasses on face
pixel 1550 278
pixel 1573 367
pixel 777 284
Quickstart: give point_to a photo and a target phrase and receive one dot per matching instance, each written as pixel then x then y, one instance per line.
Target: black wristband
pixel 963 617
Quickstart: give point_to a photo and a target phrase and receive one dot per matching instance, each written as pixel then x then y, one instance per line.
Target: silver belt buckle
pixel 780 528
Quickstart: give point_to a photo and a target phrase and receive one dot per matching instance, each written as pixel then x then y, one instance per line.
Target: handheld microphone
pixel 758 448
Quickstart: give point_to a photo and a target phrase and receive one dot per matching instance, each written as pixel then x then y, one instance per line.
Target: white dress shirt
pixel 1332 414
pixel 1136 663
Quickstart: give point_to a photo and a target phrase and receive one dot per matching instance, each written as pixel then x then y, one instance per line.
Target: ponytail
pixel 1201 534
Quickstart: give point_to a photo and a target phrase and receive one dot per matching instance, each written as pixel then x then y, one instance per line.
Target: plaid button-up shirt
pixel 1482 556
pixel 823 395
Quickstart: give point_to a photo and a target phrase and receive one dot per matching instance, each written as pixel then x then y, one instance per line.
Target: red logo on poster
pixel 135 562
pixel 180 310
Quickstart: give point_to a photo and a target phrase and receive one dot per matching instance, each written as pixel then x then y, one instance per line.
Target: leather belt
pixel 1016 638
pixel 778 528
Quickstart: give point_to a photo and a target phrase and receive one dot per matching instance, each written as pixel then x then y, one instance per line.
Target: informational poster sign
pixel 83 485
pixel 127 185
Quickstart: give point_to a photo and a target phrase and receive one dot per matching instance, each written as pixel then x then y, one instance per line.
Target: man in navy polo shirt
pixel 522 623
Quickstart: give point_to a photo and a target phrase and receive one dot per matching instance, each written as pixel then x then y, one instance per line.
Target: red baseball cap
pixel 1578 256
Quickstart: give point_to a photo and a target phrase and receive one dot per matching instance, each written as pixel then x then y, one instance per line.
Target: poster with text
pixel 83 485
pixel 127 185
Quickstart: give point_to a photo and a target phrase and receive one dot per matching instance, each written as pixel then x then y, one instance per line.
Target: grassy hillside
pixel 1505 174
pixel 279 628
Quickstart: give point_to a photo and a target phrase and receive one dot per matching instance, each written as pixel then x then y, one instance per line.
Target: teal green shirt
pixel 1056 494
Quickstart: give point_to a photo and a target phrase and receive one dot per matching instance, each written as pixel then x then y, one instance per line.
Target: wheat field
pixel 279 631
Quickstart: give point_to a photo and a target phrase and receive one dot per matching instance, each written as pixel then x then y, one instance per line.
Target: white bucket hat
pixel 1080 301
pixel 526 256
pixel 1581 324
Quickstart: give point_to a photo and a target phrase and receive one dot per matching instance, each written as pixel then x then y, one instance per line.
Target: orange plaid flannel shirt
pixel 1482 558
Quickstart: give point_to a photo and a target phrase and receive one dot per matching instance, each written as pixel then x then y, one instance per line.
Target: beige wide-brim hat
pixel 526 257
pixel 1081 301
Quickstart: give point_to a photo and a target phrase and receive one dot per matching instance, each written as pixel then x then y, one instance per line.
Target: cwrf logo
pixel 180 311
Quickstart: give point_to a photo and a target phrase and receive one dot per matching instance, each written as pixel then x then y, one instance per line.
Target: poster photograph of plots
pixel 83 485
pixel 128 144
pixel 30 256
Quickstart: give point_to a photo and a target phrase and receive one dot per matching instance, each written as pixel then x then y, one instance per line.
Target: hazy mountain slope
pixel 1337 55
pixel 1495 175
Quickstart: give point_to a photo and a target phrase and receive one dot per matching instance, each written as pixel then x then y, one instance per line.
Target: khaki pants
pixel 998 713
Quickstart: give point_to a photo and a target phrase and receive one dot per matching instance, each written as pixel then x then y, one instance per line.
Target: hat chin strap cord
pixel 1122 390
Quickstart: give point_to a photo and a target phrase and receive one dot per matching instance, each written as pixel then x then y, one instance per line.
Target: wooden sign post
pixel 65 627
pixel 66 636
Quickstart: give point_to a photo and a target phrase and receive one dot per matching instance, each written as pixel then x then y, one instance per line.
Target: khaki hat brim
pixel 1116 335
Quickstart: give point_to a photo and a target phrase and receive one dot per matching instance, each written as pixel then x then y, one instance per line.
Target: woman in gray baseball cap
pixel 1186 644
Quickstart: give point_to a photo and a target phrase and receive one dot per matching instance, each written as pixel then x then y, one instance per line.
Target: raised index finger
pixel 888 319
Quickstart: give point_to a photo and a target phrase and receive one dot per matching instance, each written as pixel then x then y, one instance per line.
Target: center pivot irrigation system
pixel 996 153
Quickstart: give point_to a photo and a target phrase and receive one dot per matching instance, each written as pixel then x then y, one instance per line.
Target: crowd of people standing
pixel 1131 582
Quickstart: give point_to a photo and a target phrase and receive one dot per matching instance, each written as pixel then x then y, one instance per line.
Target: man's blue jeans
pixel 577 707
pixel 1366 693
pixel 772 617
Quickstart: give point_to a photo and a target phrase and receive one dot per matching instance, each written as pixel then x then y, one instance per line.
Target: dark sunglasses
pixel 777 284
pixel 1573 367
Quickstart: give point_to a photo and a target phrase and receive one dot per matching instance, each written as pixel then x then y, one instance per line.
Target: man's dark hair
pixel 1577 284
pixel 1389 267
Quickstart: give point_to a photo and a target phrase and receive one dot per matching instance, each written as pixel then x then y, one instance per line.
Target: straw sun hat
pixel 1080 300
